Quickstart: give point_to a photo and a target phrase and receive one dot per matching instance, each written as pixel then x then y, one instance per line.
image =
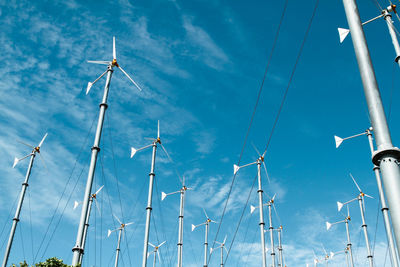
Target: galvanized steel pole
pixel 180 234
pixel 384 208
pixel 346 221
pixel 206 243
pixel 386 156
pixel 260 205
pixel 271 232
pixel 18 211
pixel 149 202
pixel 388 17
pixel 118 247
pixel 86 227
pixel 364 227
pixel 280 246
pixel 78 249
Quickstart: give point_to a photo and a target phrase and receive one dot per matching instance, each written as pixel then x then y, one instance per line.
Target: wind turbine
pixel 32 155
pixel 79 248
pixel 207 224
pixel 151 182
pixel 327 256
pixel 361 203
pixel 155 251
pixel 222 247
pixel 119 229
pixel 182 192
pixel 76 204
pixel 384 209
pixel 258 162
pixel 386 14
pixel 346 221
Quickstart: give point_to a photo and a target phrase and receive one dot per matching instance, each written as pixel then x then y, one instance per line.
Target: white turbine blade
pixel 273 198
pixel 117 219
pixel 252 208
pixel 235 168
pixel 193 227
pixel 266 172
pixel 114 50
pixel 354 180
pixel 129 223
pixel 339 205
pixel 151 245
pixel 28 145
pixel 76 204
pixel 205 213
pixel 97 206
pixel 162 244
pixel 133 151
pixel 328 226
pixel 101 62
pixel 129 77
pixel 91 83
pixel 211 250
pixel 16 160
pixel 158 255
pixel 368 196
pixel 343 34
pixel 158 129
pixel 148 254
pixel 214 221
pixel 228 251
pixel 163 195
pixel 41 142
pixel 98 191
pixel 338 141
pixel 326 253
pixel 224 240
pixel 255 148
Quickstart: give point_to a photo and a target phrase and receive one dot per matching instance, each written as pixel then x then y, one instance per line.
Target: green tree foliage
pixel 52 262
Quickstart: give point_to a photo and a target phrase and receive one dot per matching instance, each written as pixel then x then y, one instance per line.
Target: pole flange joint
pixel 260 190
pixel 378 155
pixel 26 184
pixel 16 219
pixel 105 105
pixel 96 148
pixel 397 59
pixel 152 173
pixel 76 248
pixel 149 208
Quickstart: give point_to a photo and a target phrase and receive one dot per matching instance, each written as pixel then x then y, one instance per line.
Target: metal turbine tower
pixel 182 192
pixel 388 18
pixel 384 209
pixel 155 251
pixel 386 156
pixel 207 224
pixel 280 249
pixel 260 191
pixel 361 203
pixel 78 249
pixel 25 184
pixel 222 247
pixel 76 204
pixel 150 193
pixel 346 221
pixel 119 229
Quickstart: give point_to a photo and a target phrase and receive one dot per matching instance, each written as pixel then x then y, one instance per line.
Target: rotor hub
pixel 114 62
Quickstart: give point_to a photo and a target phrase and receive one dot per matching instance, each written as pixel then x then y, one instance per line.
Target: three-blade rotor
pixel 111 65
pixel 34 151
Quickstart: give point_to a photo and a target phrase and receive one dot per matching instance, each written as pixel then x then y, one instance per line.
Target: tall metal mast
pixel 25 184
pixel 207 225
pixel 386 156
pixel 260 191
pixel 120 229
pixel 388 18
pixel 78 249
pixel 280 246
pixel 222 247
pixel 271 230
pixel 180 218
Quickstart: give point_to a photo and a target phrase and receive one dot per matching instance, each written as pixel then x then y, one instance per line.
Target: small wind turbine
pixel 346 221
pixel 384 206
pixel 182 192
pixel 35 150
pixel 119 229
pixel 388 18
pixel 155 251
pixel 79 249
pixel 258 162
pixel 222 247
pixel 327 256
pixel 76 204
pixel 155 142
pixel 207 224
pixel 361 203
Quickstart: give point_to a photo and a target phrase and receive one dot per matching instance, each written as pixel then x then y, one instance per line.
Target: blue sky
pixel 200 64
